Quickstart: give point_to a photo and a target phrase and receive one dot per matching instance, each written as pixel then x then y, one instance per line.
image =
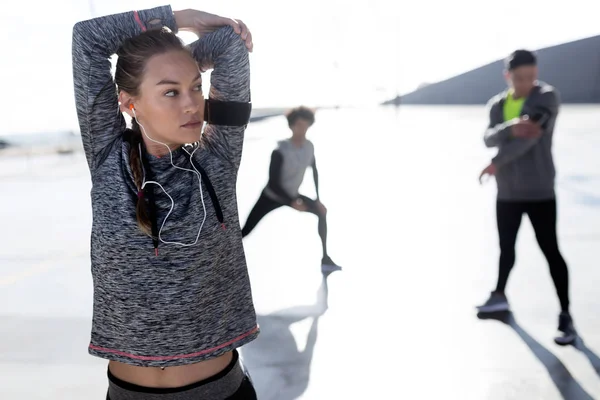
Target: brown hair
pixel 300 113
pixel 133 55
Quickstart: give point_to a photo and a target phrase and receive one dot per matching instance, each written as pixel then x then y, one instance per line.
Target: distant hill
pixel 573 68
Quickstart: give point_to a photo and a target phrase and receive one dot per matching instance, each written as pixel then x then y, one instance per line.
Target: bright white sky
pixel 379 47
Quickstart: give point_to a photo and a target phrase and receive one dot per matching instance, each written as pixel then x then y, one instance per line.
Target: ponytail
pixel 135 163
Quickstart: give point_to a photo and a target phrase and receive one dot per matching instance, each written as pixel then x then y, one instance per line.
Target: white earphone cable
pixel 195 171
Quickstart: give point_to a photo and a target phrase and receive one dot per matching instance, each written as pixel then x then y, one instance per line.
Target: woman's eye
pixel 171 93
pixel 199 87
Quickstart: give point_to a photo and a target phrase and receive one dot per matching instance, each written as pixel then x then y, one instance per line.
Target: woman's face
pixel 170 106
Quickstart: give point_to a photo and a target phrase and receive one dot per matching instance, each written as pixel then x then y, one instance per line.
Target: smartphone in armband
pixel 540 118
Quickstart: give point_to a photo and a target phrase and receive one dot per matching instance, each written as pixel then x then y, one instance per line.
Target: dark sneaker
pixel 496 303
pixel 566 331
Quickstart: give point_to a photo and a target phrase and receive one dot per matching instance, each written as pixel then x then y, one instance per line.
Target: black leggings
pixel 265 205
pixel 245 392
pixel 542 215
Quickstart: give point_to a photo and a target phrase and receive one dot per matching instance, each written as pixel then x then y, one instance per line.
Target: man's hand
pixel 490 170
pixel 201 23
pixel 299 205
pixel 526 129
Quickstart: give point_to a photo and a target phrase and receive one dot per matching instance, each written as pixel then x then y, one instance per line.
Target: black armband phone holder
pixel 228 113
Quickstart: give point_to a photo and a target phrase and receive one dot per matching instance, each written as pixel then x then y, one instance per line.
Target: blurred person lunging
pixel 289 162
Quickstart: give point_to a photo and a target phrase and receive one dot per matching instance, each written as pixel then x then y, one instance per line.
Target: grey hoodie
pixel 525 166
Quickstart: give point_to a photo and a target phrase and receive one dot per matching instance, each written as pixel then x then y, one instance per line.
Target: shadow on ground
pixel 568 387
pixel 591 356
pixel 279 370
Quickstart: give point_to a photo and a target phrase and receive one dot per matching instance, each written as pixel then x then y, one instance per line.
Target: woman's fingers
pixel 234 24
pixel 211 22
pixel 245 34
pixel 244 29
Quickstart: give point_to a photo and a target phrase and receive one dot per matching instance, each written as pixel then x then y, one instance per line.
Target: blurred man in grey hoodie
pixel 521 126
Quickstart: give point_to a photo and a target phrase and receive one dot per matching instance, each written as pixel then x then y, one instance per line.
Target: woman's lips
pixel 192 125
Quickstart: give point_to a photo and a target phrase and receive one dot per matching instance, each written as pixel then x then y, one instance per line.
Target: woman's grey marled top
pixel 188 304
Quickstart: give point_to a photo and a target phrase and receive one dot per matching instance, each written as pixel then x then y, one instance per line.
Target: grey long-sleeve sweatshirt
pixel 187 304
pixel 525 166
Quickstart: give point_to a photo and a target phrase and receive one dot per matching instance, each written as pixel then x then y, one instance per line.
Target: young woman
pixel 172 298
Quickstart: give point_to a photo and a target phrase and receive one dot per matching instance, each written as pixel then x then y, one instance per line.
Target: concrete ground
pixel 408 221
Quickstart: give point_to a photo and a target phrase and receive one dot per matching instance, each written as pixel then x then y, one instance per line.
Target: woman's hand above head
pixel 201 23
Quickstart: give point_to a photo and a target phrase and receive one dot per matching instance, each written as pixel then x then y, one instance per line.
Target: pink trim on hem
pixel 165 358
pixel 139 21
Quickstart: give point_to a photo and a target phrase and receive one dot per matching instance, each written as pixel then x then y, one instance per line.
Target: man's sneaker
pixel 328 266
pixel 496 303
pixel 566 331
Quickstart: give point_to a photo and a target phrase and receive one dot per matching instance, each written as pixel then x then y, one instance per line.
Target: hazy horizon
pixel 320 53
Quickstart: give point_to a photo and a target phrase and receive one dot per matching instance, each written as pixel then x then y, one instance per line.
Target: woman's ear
pixel 126 103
